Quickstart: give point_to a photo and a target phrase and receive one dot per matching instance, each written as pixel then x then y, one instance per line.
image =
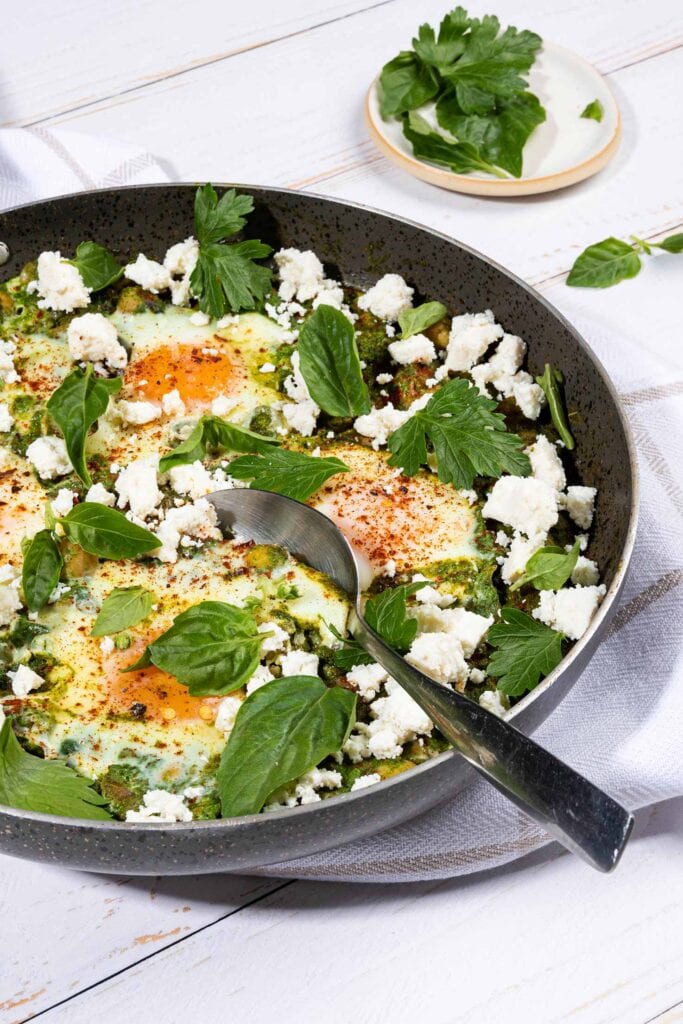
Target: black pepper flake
pixel 138 710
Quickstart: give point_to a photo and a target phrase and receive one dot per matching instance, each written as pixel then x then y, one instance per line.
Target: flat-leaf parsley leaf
pixel 526 651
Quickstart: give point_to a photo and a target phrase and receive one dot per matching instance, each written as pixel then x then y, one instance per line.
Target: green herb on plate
pixel 105 532
pixel 294 474
pixel 594 111
pixel 608 262
pixel 122 608
pixel 461 157
pixel 550 382
pixel 330 364
pixel 282 730
pixel 526 651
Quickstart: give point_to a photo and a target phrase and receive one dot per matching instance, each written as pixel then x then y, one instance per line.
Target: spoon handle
pixel 580 816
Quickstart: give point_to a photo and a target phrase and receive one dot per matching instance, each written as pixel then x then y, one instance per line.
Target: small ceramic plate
pixel 565 149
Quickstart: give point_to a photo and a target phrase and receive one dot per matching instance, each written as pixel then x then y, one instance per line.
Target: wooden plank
pixel 545 940
pixel 82 52
pixel 64 930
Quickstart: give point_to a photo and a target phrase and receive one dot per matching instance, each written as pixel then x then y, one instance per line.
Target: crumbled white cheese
pixel 465 628
pixel 267 368
pixel 526 504
pixel 8 372
pixel 231 320
pixel 227 713
pixel 49 457
pixel 222 404
pixel 384 378
pixel 261 676
pixel 107 645
pixel 6 419
pixel 180 261
pixel 299 663
pixel 9 603
pixel 367 679
pixel 172 404
pixel 492 700
pixel 416 349
pixel 528 395
pixel 387 299
pixel 92 338
pixel 439 656
pixel 380 424
pixel 137 486
pixel 136 414
pixel 579 502
pixel 308 784
pixel 363 781
pixel 100 494
pixel 477 676
pixel 200 319
pixel 520 551
pixel 301 274
pixel 397 716
pixel 160 805
pixel 193 792
pixel 59 591
pixel 301 416
pixel 470 336
pixel 546 464
pixel 64 502
pixel 570 610
pixel 192 479
pixel 23 680
pixel 277 641
pixel 59 284
pixel 151 276
pixel 586 572
pixel 197 521
pixel 430 595
pixel 501 369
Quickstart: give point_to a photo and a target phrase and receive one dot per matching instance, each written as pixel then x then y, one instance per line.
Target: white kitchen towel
pixel 622 722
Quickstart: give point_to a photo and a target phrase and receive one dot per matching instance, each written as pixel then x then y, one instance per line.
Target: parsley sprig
pixel 526 651
pixel 226 276
pixel 468 437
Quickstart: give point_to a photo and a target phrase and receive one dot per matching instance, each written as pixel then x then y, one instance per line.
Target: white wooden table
pixel 268 92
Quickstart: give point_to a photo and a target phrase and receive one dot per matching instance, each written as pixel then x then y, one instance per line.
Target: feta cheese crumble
pixel 172 404
pixel 276 642
pixel 10 603
pixel 227 713
pixel 524 503
pixel 136 414
pixel 100 494
pixel 492 700
pixel 387 299
pixel 569 610
pixel 6 419
pixel 367 679
pixel 416 349
pixel 470 336
pixel 64 502
pixel 149 274
pixel 59 284
pixel 92 338
pixel 364 781
pixel 546 464
pixel 24 680
pixel 579 502
pixel 299 663
pixel 160 805
pixel 8 373
pixel 301 274
pixel 137 487
pixel 440 656
pixel 192 479
pixel 48 455
pixel 197 522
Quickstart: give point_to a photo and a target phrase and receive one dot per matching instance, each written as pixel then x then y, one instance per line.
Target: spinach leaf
pixel 330 365
pixel 122 608
pixel 76 404
pixel 526 651
pixel 282 730
pixel 41 569
pixel 45 785
pixel 105 532
pixel 548 568
pixel 550 382
pixel 293 474
pixel 96 265
pixel 593 111
pixel 416 320
pixel 212 648
pixel 212 432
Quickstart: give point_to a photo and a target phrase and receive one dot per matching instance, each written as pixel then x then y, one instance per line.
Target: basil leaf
pixel 501 135
pixel 550 382
pixel 429 145
pixel 41 569
pixel 214 432
pixel 548 568
pixel 293 474
pixel 214 219
pixel 122 608
pixel 282 730
pixel 105 532
pixel 386 614
pixel 330 365
pixel 405 83
pixel 527 650
pixel 212 648
pixel 468 436
pixel 76 404
pixel 96 265
pixel 593 111
pixel 674 243
pixel 604 264
pixel 413 321
pixel 45 785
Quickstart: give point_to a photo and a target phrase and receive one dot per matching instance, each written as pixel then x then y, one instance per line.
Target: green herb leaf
pixel 527 650
pixel 604 264
pixel 550 382
pixel 293 474
pixel 330 365
pixel 674 243
pixel 461 157
pixel 96 265
pixel 450 44
pixel 105 532
pixel 48 786
pixel 212 648
pixel 77 403
pixel 122 608
pixel 501 135
pixel 491 66
pixel 282 730
pixel 405 83
pixel 593 111
pixel 214 219
pixel 351 654
pixel 41 569
pixel 413 321
pixel 548 568
pixel 387 615
pixel 212 432
pixel 469 438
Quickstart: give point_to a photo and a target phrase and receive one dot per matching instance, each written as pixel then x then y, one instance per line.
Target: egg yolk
pixel 163 697
pixel 199 373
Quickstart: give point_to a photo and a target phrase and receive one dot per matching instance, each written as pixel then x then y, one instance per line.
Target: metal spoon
pixel 574 811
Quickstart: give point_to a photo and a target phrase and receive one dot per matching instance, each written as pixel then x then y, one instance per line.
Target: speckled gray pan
pixel 357 245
